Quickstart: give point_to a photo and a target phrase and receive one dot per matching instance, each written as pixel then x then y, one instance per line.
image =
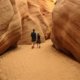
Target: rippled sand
pixel 24 63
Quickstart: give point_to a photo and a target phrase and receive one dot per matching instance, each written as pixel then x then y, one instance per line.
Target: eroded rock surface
pixel 10 24
pixel 66 26
pixel 19 17
pixel 33 17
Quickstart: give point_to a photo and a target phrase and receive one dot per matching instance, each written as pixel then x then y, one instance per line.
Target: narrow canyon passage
pixel 46 63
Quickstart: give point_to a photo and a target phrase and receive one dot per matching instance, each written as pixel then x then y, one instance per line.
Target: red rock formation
pixel 19 17
pixel 10 25
pixel 66 26
pixel 33 17
pixel 29 12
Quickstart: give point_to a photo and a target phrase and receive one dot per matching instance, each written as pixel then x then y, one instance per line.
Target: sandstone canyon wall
pixel 10 24
pixel 66 26
pixel 19 17
pixel 35 14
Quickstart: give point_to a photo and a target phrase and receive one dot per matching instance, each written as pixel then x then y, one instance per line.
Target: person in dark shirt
pixel 33 36
pixel 38 40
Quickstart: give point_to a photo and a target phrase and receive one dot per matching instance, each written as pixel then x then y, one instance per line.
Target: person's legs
pixel 39 45
pixel 33 44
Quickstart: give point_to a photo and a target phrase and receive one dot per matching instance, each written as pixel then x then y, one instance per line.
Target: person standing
pixel 33 36
pixel 38 40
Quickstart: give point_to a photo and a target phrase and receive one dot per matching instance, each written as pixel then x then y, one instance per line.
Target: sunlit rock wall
pixel 10 25
pixel 19 17
pixel 46 8
pixel 66 26
pixel 33 17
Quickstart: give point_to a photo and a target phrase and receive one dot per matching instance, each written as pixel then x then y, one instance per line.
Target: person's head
pixel 33 30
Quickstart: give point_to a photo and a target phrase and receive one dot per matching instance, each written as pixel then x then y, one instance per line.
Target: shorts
pixel 38 41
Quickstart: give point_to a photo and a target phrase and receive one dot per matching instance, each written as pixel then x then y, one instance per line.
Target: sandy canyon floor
pixel 46 63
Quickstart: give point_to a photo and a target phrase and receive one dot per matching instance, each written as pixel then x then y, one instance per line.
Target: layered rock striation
pixel 66 27
pixel 10 25
pixel 19 17
pixel 35 15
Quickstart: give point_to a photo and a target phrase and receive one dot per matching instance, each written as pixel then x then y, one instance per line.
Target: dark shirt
pixel 38 39
pixel 33 35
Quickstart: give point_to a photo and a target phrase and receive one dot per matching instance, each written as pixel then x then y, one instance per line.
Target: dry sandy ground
pixel 24 63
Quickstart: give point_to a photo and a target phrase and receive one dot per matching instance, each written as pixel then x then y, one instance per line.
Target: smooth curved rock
pixel 66 26
pixel 19 17
pixel 10 25
pixel 33 18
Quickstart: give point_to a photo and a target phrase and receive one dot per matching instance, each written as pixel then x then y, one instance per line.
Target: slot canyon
pixel 57 22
